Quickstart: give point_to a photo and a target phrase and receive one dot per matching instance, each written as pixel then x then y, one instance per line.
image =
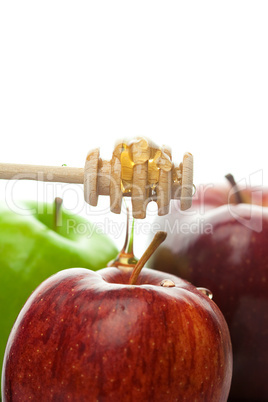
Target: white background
pixel 82 74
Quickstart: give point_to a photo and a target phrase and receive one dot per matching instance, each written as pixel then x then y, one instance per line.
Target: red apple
pixel 111 336
pixel 211 195
pixel 225 249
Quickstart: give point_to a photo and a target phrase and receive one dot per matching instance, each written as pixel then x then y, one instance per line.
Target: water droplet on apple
pixel 167 283
pixel 206 292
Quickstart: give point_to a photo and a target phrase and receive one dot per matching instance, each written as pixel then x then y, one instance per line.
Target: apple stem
pixel 57 203
pixel 157 240
pixel 237 194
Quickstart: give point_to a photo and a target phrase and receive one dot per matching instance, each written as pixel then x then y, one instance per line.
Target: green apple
pixel 34 245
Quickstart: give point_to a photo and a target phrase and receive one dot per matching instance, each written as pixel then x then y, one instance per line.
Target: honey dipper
pixel 138 169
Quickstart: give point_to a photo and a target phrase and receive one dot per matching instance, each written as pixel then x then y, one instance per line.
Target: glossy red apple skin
pixel 229 255
pixel 89 336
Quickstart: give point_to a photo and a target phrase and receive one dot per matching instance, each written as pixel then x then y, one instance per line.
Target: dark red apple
pixel 226 250
pixel 118 335
pixel 211 195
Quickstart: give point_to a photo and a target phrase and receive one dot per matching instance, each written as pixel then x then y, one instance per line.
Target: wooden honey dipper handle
pixel 61 174
pixel 102 177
